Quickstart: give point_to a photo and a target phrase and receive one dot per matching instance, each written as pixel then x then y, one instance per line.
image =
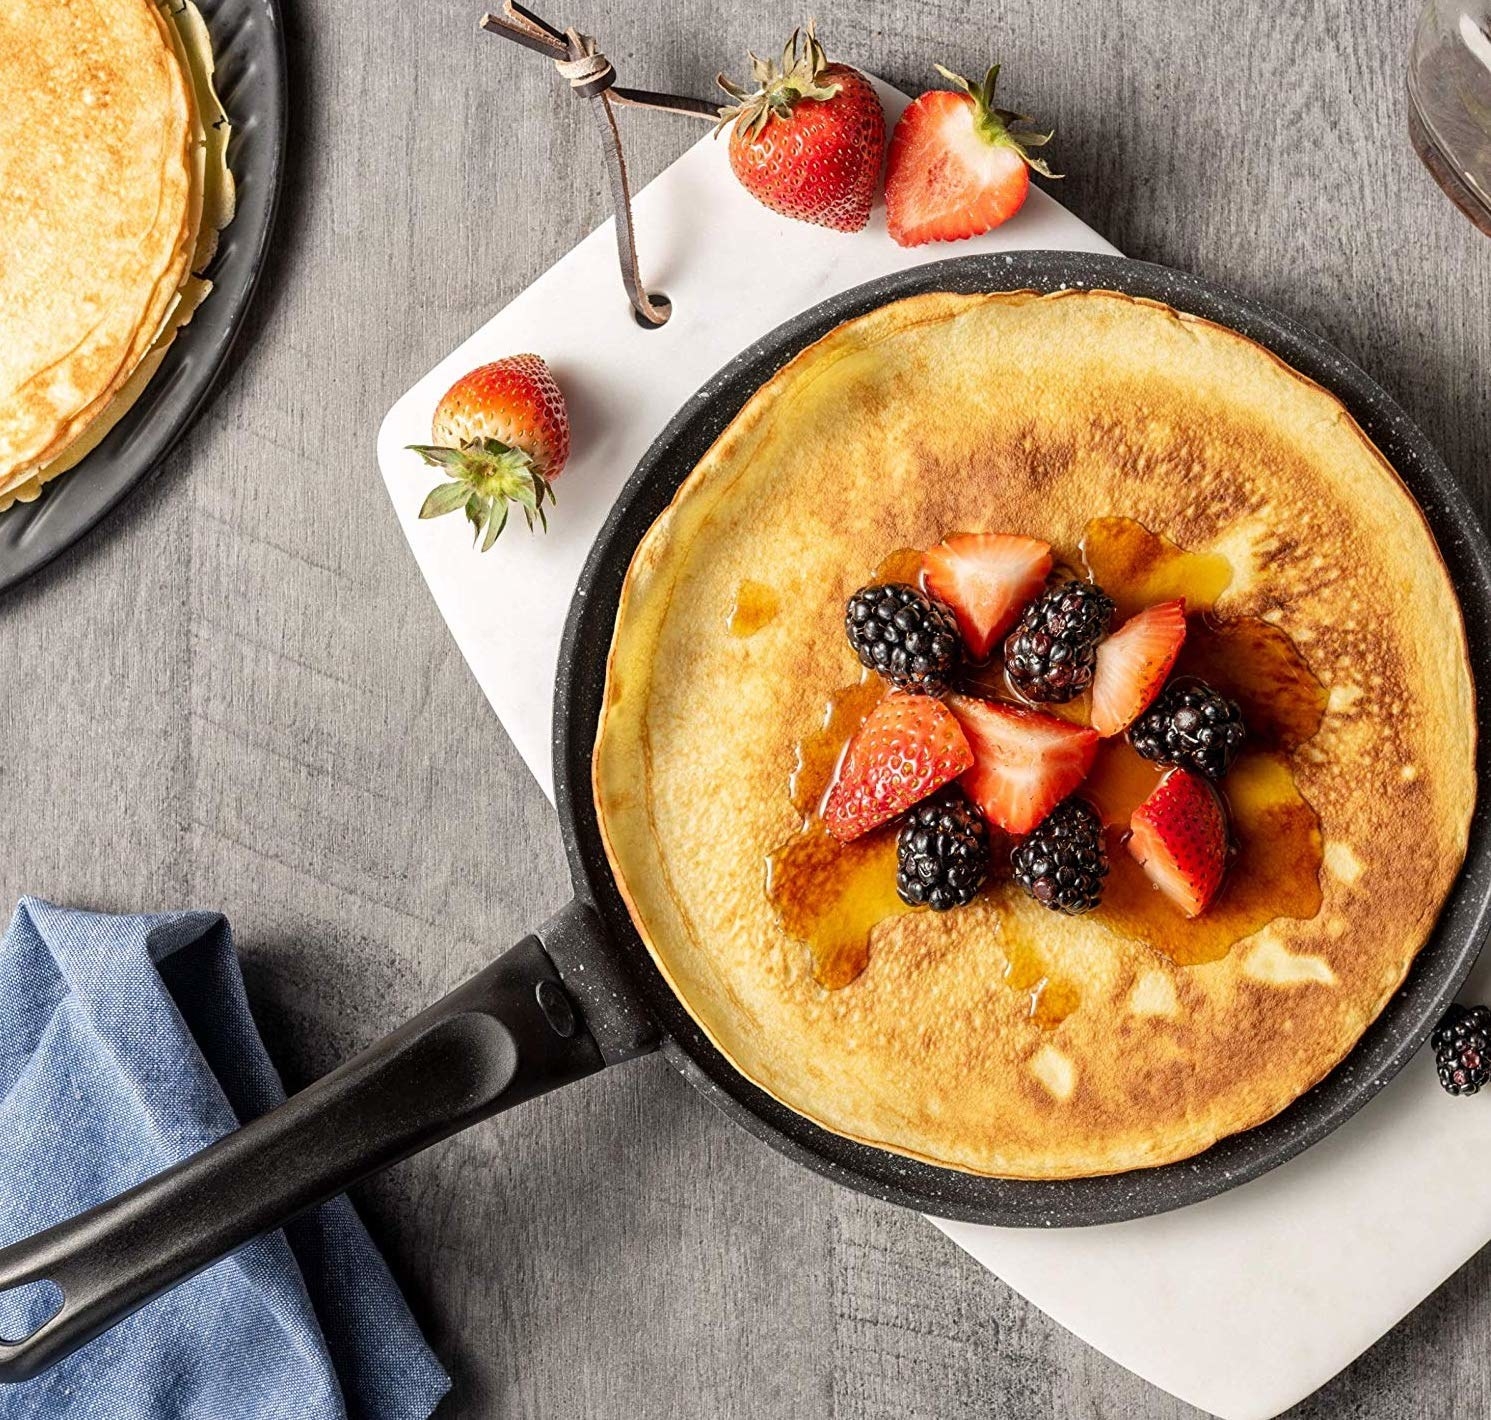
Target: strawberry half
pixel 986 578
pixel 1024 762
pixel 502 434
pixel 1178 835
pixel 909 747
pixel 957 167
pixel 1133 663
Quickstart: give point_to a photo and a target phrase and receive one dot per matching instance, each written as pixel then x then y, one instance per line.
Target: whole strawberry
pixel 810 140
pixel 502 433
pixel 957 166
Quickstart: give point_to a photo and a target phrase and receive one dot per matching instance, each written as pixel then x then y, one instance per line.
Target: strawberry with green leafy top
pixel 957 166
pixel 810 139
pixel 502 433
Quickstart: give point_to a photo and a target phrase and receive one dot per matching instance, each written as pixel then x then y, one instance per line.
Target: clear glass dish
pixel 1449 108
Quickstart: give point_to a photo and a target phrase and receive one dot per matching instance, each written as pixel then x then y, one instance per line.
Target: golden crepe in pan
pixel 115 147
pixel 1036 415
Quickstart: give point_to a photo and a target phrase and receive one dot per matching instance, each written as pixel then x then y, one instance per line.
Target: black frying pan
pixel 581 993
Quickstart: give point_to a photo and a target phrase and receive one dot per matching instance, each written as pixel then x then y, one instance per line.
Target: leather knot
pixel 587 71
pixel 590 76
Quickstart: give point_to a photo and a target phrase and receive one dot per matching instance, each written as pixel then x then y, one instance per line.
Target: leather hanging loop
pixel 588 72
pixel 590 75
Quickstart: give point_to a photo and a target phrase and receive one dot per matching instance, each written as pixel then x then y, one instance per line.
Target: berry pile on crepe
pixel 962 768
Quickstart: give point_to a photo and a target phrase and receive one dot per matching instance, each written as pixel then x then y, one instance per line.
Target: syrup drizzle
pixel 1138 568
pixel 826 894
pixel 1274 867
pixel 831 896
pixel 1274 870
pixel 902 565
pixel 755 607
pixel 1052 998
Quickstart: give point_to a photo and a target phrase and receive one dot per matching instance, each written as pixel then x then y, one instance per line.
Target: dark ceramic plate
pixel 248 43
pixel 1388 1043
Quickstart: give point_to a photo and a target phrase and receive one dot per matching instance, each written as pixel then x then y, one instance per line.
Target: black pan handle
pixel 511 1032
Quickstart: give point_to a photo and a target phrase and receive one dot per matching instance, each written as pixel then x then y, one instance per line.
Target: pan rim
pixel 1387 1044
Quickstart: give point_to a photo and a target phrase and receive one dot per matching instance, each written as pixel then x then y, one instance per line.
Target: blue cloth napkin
pixel 126 1044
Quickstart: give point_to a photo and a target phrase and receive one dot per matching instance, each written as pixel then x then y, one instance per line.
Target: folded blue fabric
pixel 126 1044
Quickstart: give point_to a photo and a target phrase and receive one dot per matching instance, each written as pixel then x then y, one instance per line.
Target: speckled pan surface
pixel 1391 1040
pixel 248 45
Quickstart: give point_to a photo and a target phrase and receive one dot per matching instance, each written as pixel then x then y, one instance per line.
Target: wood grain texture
pixel 239 695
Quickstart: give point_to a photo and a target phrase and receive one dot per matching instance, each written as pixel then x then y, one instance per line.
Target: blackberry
pixel 942 852
pixel 1052 652
pixel 910 639
pixel 1462 1049
pixel 1191 726
pixel 1063 863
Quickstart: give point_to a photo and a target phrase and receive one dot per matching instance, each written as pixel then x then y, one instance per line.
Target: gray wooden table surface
pixel 240 696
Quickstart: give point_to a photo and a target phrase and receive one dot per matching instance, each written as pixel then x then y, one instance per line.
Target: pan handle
pixel 511 1032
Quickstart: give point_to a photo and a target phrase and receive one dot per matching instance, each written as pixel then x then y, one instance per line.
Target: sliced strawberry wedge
pixel 1024 762
pixel 958 164
pixel 1133 663
pixel 1178 835
pixel 986 578
pixel 909 747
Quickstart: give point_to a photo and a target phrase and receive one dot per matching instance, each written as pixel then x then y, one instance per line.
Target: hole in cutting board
pixel 661 304
pixel 25 1310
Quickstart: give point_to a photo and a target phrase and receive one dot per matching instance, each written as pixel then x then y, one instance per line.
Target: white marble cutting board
pixel 1241 1305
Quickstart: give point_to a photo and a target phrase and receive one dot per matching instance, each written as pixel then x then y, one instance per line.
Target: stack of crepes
pixel 113 166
